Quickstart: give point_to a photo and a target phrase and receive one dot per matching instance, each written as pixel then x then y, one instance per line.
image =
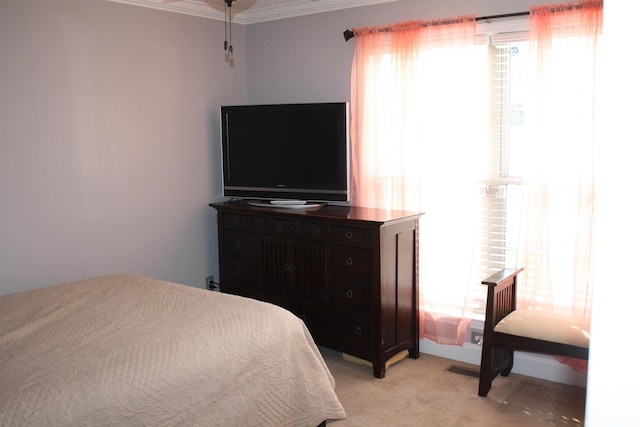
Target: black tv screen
pixel 286 151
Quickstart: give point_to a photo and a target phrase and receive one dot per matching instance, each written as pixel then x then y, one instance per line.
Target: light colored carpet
pixel 424 392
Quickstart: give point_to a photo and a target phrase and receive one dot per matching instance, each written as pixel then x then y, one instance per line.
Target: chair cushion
pixel 546 326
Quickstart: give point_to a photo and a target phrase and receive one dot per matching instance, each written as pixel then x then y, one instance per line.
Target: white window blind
pixel 503 200
pixel 502 192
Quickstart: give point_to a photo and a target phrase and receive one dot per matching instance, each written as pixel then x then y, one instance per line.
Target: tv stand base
pixel 286 204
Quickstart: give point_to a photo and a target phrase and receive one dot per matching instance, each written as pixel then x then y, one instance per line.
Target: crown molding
pixel 245 17
pixel 187 7
pixel 303 7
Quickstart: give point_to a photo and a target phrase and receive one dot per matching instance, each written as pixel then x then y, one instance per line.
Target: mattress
pixel 127 350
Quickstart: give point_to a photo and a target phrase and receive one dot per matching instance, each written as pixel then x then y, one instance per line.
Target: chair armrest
pixel 501 296
pixel 502 276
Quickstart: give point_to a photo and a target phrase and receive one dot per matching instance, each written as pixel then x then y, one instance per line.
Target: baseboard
pixel 530 364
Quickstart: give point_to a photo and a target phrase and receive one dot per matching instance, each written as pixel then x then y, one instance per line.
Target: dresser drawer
pixel 279 227
pixel 351 296
pixel 308 230
pixel 239 272
pixel 336 329
pixel 351 236
pixel 291 228
pixel 274 226
pixel 240 245
pixel 256 294
pixel 238 222
pixel 351 263
pixel 263 224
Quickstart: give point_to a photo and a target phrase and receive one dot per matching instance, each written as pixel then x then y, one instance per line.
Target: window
pixel 496 146
pixel 539 209
pixel 503 190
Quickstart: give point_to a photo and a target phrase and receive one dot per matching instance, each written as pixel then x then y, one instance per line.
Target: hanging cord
pixel 227 45
pixel 230 45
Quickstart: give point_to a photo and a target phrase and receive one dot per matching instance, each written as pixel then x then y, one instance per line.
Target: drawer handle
pixel 358 330
pixel 279 227
pixel 298 223
pixel 349 235
pixel 316 232
pixel 349 293
pixel 236 221
pixel 349 261
pixel 238 271
pixel 238 243
pixel 289 267
pixel 262 224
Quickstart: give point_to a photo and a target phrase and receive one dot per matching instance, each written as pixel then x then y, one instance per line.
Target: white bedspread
pixel 126 350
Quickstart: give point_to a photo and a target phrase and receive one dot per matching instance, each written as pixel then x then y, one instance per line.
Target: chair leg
pixel 486 374
pixel 484 388
pixel 507 370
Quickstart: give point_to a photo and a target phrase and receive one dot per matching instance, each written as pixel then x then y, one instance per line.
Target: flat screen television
pixel 286 152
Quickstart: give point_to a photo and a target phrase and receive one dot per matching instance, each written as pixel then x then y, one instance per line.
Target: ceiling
pixel 251 11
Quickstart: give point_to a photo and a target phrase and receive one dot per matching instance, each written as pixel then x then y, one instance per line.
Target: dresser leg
pixel 379 370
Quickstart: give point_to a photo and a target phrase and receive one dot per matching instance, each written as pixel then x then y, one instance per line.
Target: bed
pixel 128 350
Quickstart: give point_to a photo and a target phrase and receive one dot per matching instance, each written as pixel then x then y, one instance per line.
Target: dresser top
pixel 328 212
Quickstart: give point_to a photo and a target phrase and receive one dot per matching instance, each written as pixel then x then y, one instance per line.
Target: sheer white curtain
pixel 419 136
pixel 558 240
pixel 558 246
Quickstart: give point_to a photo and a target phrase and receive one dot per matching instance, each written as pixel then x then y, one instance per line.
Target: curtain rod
pixel 348 34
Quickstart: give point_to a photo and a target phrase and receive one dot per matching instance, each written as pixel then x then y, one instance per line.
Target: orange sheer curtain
pixel 419 144
pixel 560 214
pixel 560 181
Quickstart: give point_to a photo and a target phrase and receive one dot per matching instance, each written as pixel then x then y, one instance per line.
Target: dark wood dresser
pixel 350 273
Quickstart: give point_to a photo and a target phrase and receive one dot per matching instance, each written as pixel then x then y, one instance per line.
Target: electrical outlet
pixel 476 337
pixel 210 283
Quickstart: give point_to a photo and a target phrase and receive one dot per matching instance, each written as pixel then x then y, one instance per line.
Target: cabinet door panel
pixel 308 269
pixel 274 264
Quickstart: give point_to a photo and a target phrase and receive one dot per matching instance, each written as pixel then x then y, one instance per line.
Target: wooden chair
pixel 507 329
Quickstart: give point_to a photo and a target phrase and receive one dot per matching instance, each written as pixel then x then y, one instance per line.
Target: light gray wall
pixel 306 59
pixel 109 136
pixel 110 131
